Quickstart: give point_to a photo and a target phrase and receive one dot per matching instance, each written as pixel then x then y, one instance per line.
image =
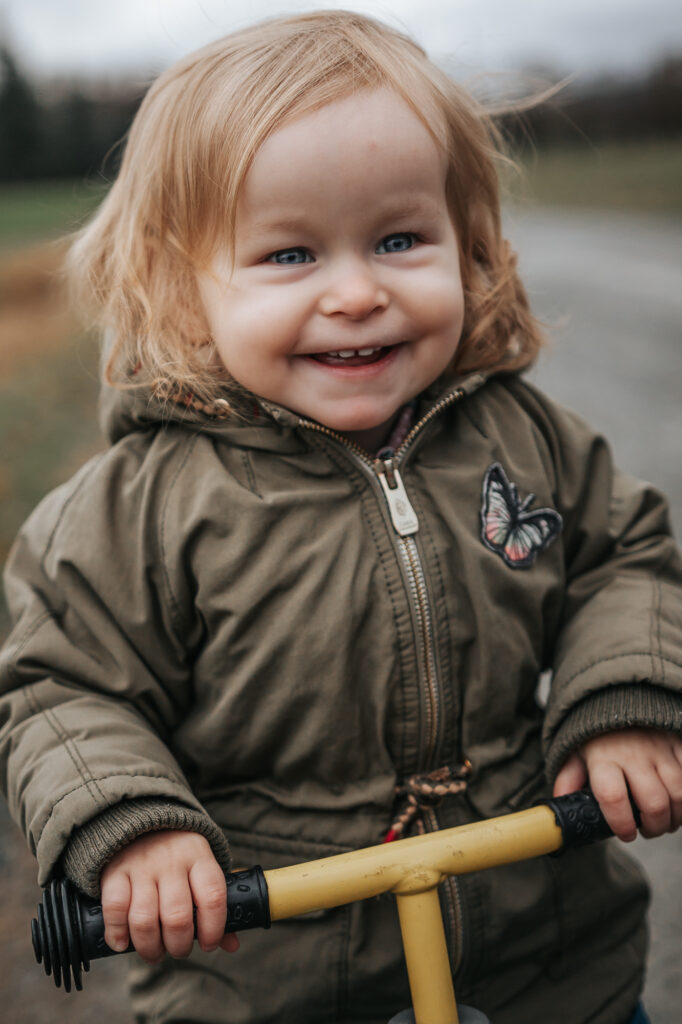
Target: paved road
pixel 612 286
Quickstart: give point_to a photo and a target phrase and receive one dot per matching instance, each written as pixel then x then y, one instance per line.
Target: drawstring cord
pixel 426 790
pixel 220 408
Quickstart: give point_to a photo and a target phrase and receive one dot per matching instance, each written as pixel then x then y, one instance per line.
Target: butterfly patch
pixel 508 528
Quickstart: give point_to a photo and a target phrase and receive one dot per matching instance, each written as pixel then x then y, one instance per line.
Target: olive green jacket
pixel 250 628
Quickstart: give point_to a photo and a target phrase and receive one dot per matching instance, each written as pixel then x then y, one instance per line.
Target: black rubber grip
pixel 580 819
pixel 69 930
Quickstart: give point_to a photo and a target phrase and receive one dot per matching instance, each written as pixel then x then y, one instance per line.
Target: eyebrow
pixel 392 209
pixel 286 223
pixel 409 206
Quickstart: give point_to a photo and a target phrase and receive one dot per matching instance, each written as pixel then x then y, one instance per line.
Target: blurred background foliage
pixel 58 128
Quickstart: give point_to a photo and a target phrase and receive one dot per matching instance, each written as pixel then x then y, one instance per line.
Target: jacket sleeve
pixel 618 653
pixel 94 677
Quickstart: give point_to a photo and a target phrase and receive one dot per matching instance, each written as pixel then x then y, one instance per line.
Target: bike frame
pixel 412 869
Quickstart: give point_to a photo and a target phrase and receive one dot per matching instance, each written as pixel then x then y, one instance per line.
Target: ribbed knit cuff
pixel 621 706
pixel 94 844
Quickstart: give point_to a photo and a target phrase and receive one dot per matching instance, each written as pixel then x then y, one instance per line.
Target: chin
pixel 350 429
pixel 361 420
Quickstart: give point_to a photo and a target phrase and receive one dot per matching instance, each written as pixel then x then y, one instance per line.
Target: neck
pixel 373 438
pixel 392 433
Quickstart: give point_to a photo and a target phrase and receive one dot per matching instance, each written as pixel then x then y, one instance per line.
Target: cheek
pixel 443 307
pixel 437 288
pixel 264 315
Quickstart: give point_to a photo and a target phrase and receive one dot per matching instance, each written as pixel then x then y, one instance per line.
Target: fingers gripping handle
pixel 69 930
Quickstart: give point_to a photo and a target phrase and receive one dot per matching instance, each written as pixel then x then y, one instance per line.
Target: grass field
pixel 48 388
pixel 37 210
pixel 636 177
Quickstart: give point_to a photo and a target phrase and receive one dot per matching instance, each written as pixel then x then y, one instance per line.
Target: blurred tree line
pixel 67 129
pixel 606 110
pixel 60 129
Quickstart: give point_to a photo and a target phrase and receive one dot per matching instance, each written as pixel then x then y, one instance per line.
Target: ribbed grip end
pixel 56 935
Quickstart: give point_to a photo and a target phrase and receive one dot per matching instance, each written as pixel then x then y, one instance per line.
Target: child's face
pixel 344 246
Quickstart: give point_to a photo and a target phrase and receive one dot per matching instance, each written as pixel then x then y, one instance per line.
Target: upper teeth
pixel 348 353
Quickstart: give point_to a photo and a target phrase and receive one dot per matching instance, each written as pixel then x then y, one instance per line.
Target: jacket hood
pixel 244 419
pixel 248 423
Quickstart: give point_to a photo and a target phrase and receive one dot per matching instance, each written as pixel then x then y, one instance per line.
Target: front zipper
pixel 406 525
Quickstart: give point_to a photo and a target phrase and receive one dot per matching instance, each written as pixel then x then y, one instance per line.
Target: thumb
pixel 572 776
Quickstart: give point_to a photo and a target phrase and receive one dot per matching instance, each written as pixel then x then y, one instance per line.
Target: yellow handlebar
pixel 411 865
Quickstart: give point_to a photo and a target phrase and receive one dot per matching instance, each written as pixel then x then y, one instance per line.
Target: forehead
pixel 372 138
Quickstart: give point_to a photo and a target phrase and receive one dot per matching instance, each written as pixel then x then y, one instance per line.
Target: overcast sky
pixel 575 36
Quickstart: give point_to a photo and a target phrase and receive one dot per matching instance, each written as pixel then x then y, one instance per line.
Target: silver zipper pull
pixel 403 516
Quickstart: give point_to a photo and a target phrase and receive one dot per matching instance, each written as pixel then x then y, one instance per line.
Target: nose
pixel 353 291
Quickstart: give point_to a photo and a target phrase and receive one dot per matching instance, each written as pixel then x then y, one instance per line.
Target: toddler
pixel 334 541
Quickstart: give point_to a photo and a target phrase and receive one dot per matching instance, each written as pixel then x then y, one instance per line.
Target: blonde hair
pixel 189 149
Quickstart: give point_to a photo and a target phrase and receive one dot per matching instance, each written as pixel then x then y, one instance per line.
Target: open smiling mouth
pixel 354 356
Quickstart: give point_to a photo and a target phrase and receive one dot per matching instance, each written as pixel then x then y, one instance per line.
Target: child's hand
pixel 149 890
pixel 649 761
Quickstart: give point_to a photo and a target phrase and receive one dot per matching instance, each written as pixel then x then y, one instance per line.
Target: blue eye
pixel 396 243
pixel 290 257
